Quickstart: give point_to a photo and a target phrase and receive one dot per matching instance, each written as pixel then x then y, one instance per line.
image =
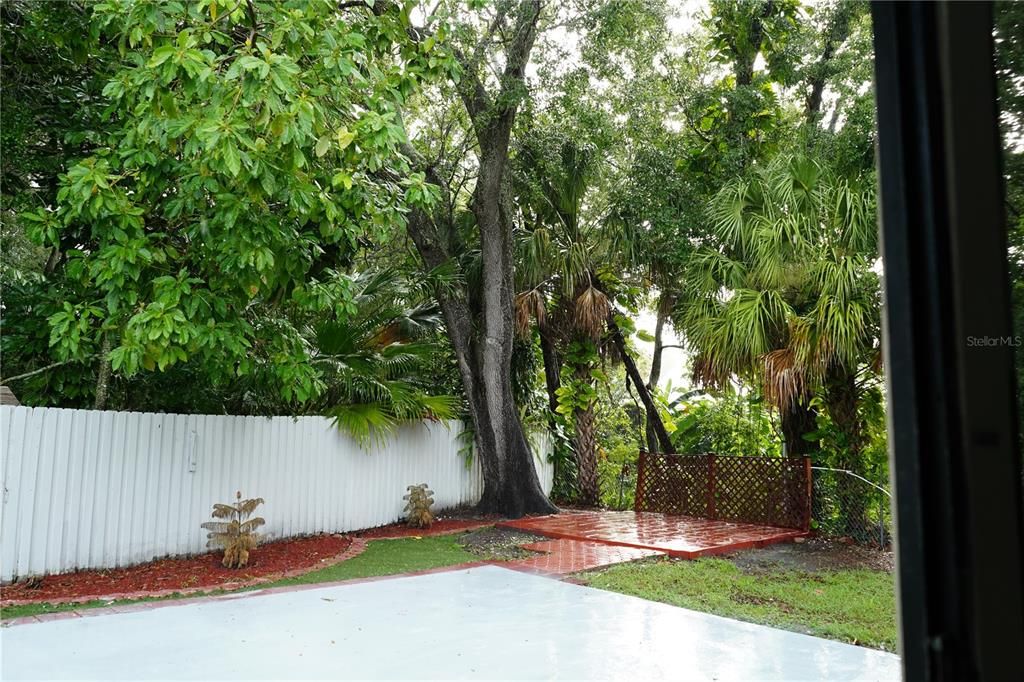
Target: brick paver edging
pixel 357 546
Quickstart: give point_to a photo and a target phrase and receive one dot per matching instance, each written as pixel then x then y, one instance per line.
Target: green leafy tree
pixel 51 111
pixel 250 147
pixel 470 226
pixel 728 423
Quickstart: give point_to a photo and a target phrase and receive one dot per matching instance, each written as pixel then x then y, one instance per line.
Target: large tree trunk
pixel 798 419
pixel 483 341
pixel 841 396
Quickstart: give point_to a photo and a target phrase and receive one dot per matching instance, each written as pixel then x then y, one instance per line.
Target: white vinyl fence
pixel 90 489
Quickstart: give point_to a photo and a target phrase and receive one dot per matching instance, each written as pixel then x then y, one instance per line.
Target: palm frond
pixel 366 422
pixel 784 380
pixel 590 312
pixel 529 305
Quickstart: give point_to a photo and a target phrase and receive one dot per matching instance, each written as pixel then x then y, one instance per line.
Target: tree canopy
pixel 389 210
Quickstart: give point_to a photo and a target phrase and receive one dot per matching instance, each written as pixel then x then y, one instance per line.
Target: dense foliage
pixel 232 164
pixel 388 211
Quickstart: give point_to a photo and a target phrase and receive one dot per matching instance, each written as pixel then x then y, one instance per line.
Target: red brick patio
pixel 561 557
pixel 678 536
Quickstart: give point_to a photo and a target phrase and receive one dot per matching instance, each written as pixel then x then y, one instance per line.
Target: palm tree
pixel 376 366
pixel 559 252
pixel 790 301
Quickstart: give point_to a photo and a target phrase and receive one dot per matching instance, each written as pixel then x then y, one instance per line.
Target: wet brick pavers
pixel 679 536
pixel 570 556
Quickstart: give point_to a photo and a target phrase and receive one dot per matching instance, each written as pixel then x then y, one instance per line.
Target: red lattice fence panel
pixel 773 491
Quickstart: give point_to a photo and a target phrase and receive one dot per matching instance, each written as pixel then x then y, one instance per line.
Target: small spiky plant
pixel 237 535
pixel 417 507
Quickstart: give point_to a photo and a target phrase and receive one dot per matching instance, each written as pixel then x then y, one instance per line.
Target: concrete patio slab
pixel 683 537
pixel 480 623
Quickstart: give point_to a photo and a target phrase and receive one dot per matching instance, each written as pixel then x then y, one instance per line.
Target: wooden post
pixel 808 505
pixel 641 469
pixel 712 474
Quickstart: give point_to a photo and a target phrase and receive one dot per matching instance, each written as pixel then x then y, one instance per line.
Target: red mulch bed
pixel 439 527
pixel 183 573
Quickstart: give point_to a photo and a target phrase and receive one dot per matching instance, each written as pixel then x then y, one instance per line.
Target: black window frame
pixel 949 350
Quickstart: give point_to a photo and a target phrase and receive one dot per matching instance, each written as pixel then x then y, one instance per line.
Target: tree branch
pixel 26 375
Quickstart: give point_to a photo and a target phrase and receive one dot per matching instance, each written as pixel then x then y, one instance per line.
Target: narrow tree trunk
pixel 664 305
pixel 552 370
pixel 586 457
pixel 103 374
pixel 653 417
pixel 836 34
pixel 744 63
pixel 841 394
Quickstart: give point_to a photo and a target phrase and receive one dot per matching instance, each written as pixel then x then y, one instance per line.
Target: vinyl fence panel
pixel 92 489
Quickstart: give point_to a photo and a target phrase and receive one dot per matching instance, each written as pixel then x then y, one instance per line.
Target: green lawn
pixel 387 557
pixel 382 557
pixel 854 606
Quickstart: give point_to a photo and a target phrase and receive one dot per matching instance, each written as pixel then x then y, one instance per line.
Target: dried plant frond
pixel 252 524
pixel 528 304
pixel 785 383
pixel 222 511
pixel 236 536
pixel 877 361
pixel 590 312
pixel 417 507
pixel 707 373
pixel 249 506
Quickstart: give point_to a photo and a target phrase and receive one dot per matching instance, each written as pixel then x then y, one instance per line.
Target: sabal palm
pixel 790 300
pixel 559 252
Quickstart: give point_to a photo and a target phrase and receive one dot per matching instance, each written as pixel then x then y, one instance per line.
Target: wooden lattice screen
pixel 774 491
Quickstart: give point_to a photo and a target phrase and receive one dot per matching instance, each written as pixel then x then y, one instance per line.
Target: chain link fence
pixel 845 504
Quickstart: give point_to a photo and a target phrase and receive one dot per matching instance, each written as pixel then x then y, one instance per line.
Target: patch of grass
pixel 10 612
pixel 381 557
pixel 853 606
pixel 388 557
